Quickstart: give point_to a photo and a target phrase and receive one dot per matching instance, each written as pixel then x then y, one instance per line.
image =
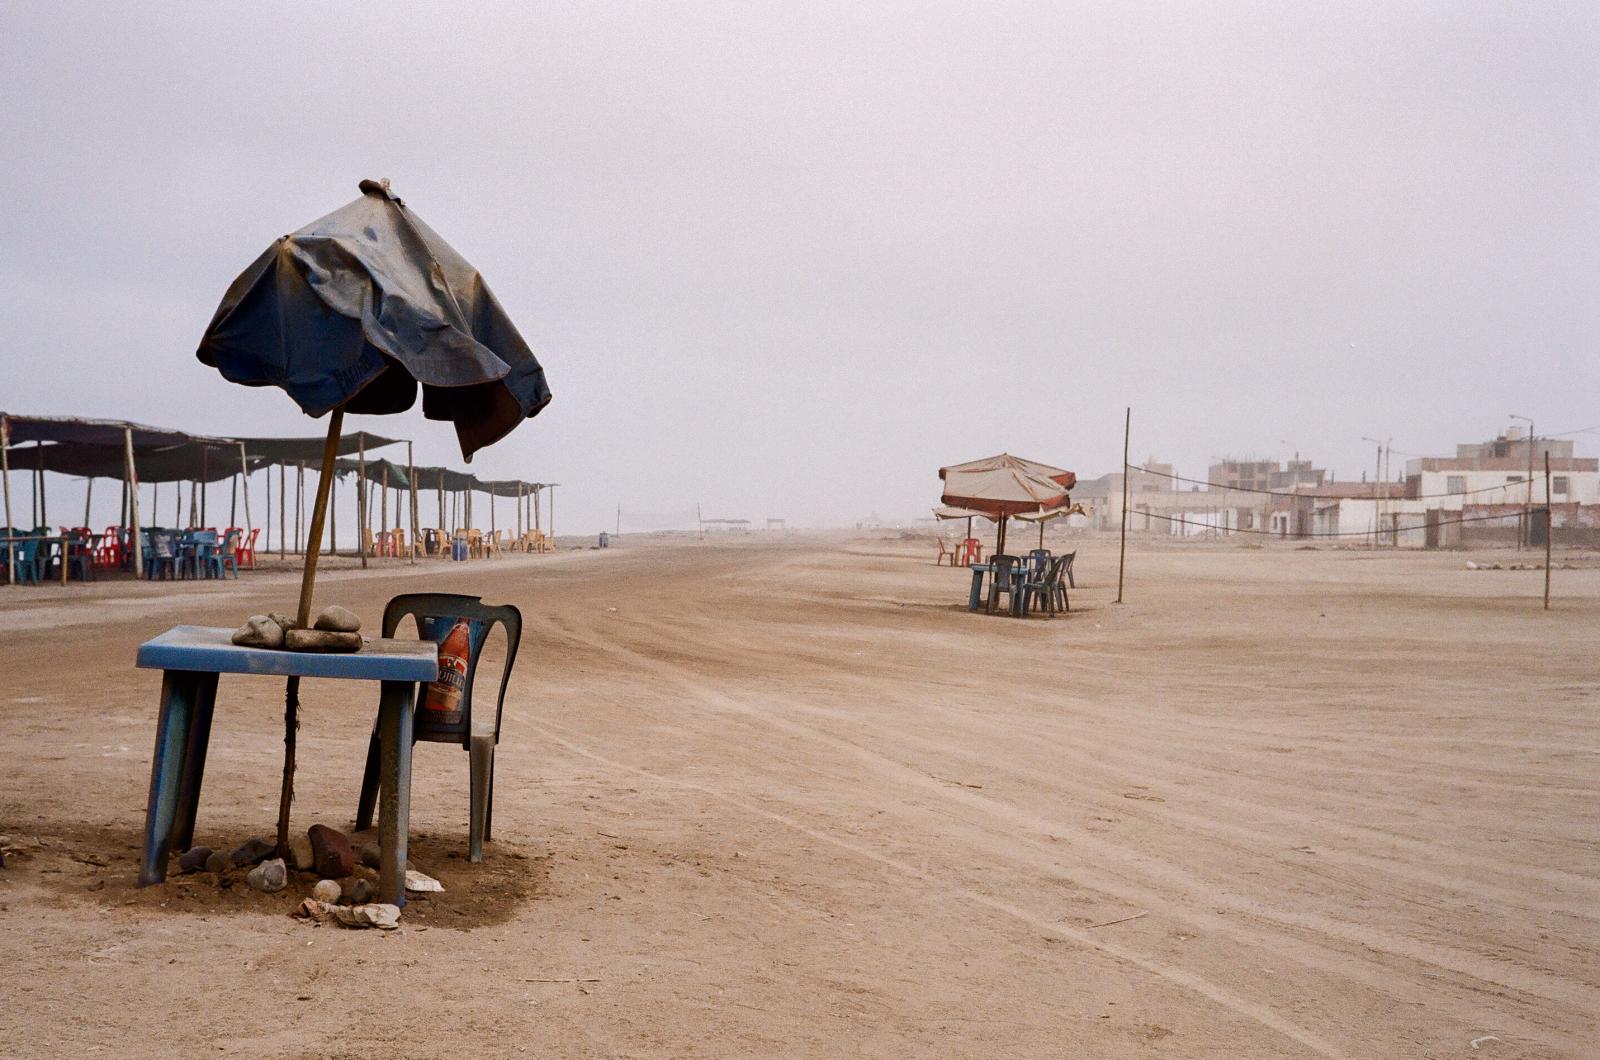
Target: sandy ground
pixel 787 797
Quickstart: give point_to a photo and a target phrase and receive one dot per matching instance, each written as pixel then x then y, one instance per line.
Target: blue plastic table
pixel 192 658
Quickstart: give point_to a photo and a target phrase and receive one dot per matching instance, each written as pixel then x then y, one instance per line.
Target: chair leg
pixel 488 807
pixel 482 766
pixel 369 785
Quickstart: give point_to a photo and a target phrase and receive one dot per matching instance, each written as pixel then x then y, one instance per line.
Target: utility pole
pixel 1527 509
pixel 619 520
pixel 1549 528
pixel 1377 485
pixel 1122 556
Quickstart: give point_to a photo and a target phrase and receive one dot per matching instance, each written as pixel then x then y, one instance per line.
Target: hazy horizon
pixel 785 262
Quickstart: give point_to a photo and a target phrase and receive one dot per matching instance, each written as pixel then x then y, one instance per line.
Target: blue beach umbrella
pixel 357 312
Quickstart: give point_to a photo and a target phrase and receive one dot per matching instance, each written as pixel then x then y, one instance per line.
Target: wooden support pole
pixel 361 497
pixel 383 512
pixel 131 476
pixel 244 465
pixel 1549 527
pixel 416 521
pixel 88 496
pixel 5 479
pixel 283 511
pixel 300 507
pixel 1122 554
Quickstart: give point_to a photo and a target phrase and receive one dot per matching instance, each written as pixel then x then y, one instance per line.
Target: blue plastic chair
pixel 1001 580
pixel 227 556
pixel 79 559
pixel 161 555
pixel 26 550
pixel 1047 589
pixel 199 552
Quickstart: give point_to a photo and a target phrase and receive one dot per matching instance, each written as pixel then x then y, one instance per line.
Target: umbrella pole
pixel 291 691
pixel 411 481
pixel 88 495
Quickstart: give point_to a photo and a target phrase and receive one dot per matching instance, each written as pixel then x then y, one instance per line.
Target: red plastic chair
pixel 970 552
pixel 246 550
pixel 109 554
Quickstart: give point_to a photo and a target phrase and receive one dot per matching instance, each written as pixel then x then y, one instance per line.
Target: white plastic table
pixel 192 657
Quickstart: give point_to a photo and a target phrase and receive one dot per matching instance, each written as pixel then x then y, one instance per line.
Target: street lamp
pixel 1527 511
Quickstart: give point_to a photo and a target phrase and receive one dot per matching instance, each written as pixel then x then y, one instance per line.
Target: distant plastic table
pixel 192 657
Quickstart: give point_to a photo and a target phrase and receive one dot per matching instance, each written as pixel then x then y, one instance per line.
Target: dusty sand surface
pixel 787 797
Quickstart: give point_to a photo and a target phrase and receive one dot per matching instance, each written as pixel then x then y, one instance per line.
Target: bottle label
pixel 442 699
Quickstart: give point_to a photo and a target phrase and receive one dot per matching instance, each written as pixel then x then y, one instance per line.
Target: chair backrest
pixel 461 625
pixel 230 544
pixel 1058 571
pixel 165 544
pixel 1066 565
pixel 1002 570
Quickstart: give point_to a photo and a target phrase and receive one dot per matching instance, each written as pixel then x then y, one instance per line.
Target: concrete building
pixel 1487 484
pixel 1233 474
pixel 1496 472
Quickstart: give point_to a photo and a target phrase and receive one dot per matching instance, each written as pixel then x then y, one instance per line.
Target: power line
pixel 1324 496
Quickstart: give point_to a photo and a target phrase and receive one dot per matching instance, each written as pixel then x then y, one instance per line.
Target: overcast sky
pixel 785 259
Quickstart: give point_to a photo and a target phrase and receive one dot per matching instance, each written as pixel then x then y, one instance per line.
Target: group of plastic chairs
pixel 192 554
pixel 1035 580
pixel 167 553
pixel 27 551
